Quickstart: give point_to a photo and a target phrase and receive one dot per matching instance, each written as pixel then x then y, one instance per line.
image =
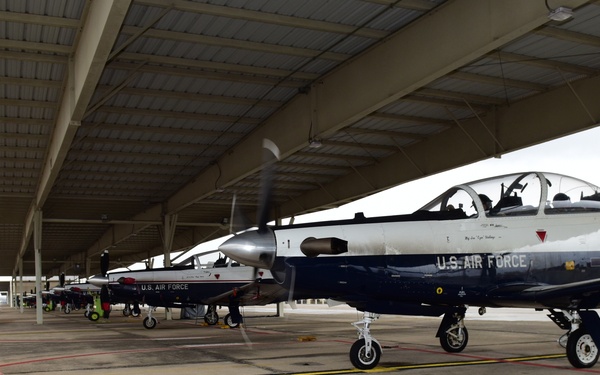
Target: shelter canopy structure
pixel 130 126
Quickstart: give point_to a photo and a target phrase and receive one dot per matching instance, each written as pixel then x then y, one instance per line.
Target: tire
pixel 363 360
pixel 127 310
pixel 582 351
pixel 211 317
pixel 229 321
pixel 452 341
pixel 67 309
pixel 94 316
pixel 149 322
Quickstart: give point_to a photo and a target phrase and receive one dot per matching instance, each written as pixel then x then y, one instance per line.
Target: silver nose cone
pixel 252 248
pixel 98 280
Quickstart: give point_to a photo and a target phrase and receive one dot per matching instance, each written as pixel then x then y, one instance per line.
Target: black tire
pixel 67 309
pixel 363 360
pixel 229 321
pixel 454 340
pixel 94 316
pixel 127 310
pixel 149 322
pixel 582 351
pixel 211 317
pixel 86 314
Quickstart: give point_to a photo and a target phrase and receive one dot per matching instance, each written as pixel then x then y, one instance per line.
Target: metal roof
pixel 119 115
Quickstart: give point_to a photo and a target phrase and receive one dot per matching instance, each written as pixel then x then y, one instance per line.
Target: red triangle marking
pixel 541 235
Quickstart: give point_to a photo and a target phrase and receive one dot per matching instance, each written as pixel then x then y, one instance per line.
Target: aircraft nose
pixel 98 280
pixel 252 248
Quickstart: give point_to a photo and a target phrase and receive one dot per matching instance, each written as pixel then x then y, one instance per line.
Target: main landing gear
pixel 582 326
pixel 452 331
pixel 365 353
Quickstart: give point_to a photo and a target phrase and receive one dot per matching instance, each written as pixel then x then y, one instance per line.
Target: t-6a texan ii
pixel 529 240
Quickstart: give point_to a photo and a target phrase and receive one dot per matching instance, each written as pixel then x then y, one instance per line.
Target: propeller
pixel 61 280
pixel 104 263
pixel 238 221
pixel 270 156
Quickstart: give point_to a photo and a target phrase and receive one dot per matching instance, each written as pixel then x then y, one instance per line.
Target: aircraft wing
pixel 581 294
pixel 251 294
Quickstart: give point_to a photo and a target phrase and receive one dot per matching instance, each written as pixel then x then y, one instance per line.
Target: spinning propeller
pixel 104 263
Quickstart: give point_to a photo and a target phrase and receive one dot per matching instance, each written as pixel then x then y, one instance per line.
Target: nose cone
pixel 98 280
pixel 252 248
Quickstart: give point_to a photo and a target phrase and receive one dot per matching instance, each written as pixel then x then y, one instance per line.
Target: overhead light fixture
pixel 560 14
pixel 314 143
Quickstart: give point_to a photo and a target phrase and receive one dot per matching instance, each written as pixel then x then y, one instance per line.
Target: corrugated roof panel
pixel 542 47
pixel 585 20
pixel 477 88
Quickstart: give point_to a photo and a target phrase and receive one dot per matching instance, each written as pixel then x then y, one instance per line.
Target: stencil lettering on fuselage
pixel 477 261
pixel 164 287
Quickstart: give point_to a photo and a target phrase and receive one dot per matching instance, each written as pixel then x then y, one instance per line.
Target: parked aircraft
pixel 191 283
pixel 75 295
pixel 529 240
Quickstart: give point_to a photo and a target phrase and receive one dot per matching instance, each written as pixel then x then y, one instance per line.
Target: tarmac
pixel 312 339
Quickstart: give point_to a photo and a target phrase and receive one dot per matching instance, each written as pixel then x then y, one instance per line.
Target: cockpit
pixel 206 260
pixel 518 195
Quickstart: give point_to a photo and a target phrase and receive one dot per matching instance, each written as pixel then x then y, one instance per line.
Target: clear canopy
pixel 520 194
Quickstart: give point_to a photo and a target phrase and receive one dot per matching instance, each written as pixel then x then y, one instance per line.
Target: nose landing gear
pixel 365 353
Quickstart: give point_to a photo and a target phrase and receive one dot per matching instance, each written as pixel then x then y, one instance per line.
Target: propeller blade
pixel 238 221
pixel 61 280
pixel 104 263
pixel 232 216
pixel 270 155
pixel 291 301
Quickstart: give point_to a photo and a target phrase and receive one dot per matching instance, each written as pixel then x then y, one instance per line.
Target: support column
pixel 21 284
pixel 168 233
pixel 37 244
pixel 11 292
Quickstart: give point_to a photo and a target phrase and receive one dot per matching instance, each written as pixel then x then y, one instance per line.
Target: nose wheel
pixel 365 353
pixel 150 322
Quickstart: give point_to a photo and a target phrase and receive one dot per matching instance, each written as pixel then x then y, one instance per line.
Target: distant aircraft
pixel 193 283
pixel 537 247
pixel 74 295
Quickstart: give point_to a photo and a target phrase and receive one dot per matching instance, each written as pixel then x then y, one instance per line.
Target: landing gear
pixel 211 317
pixel 452 332
pixel 365 353
pixel 582 352
pixel 582 326
pixel 229 321
pixel 150 321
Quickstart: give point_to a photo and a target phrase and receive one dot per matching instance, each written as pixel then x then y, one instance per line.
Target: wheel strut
pixel 364 332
